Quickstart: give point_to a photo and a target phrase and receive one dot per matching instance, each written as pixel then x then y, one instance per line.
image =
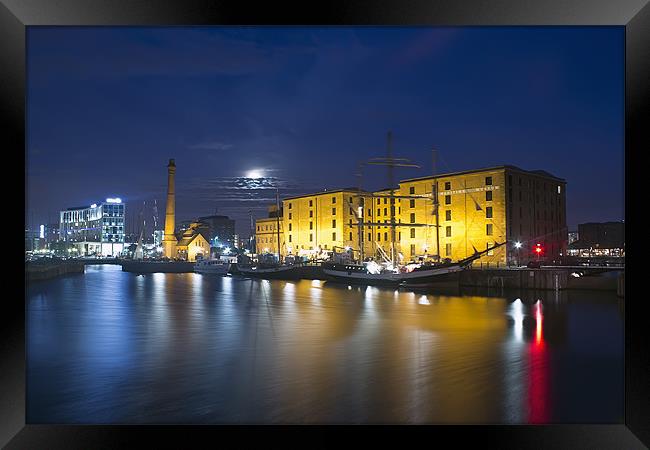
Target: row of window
pixel 311 202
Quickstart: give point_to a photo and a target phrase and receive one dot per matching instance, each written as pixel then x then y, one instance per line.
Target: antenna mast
pixel 434 192
pixel 277 216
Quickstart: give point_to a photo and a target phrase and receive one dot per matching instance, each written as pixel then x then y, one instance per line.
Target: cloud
pixel 213 145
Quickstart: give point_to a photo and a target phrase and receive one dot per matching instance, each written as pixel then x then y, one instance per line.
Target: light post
pixel 518 247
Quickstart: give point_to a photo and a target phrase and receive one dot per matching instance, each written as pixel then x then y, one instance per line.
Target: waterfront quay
pixel 44 269
pixel 117 347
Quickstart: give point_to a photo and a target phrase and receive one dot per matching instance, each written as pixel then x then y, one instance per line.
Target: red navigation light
pixel 538 248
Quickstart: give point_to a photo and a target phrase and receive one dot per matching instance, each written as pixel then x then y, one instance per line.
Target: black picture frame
pixel 16 15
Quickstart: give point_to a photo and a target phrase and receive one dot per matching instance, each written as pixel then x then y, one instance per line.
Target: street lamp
pixel 518 247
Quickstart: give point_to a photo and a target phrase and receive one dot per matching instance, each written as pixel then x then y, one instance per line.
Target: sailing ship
pixel 267 266
pixel 387 270
pixel 371 272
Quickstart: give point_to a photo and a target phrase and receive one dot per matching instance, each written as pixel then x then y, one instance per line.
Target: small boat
pixel 212 266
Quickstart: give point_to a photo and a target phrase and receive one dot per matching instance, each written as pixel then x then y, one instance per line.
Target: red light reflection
pixel 538 395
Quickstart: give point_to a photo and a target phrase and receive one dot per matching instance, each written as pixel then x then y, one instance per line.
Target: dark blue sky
pixel 107 107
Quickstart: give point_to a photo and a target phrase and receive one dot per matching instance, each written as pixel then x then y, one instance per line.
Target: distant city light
pixel 517 244
pixel 94 205
pixel 42 234
pixel 114 200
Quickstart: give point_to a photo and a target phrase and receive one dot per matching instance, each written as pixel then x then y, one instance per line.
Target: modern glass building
pixel 96 230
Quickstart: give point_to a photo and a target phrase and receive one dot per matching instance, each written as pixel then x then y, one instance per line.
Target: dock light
pixel 517 244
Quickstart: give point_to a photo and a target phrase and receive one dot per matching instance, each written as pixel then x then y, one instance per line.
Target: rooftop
pixel 540 173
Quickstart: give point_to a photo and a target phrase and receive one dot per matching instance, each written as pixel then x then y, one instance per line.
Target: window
pixel 412 190
pixel 334 236
pixel 333 211
pixel 350 235
pixel 447 199
pixel 488 212
pixel 311 203
pixel 448 214
pixel 378 236
pixel 311 237
pixel 412 203
pixel 311 213
pixel 559 190
pixel 289 216
pixel 369 237
pixel 311 225
pixel 385 200
pixel 399 236
pixel 448 231
pixel 333 199
pixel 385 211
pixel 351 212
pixel 412 217
pixel 447 185
pixel 289 238
pixel 369 212
pixel 379 212
pixel 412 233
pixel 488 196
pixel 488 181
pixel 385 236
pixel 448 250
pixel 289 227
pixel 334 223
pixel 258 228
pixel 488 229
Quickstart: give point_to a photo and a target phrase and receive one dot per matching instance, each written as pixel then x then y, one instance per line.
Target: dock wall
pixel 44 271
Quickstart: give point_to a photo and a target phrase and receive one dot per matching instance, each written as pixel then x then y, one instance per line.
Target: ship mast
pixel 392 162
pixel 434 192
pixel 277 216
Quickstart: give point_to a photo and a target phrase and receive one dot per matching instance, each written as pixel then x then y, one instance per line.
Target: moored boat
pixel 372 273
pixel 212 266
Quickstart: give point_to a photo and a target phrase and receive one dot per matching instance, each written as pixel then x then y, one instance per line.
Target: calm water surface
pixel 115 347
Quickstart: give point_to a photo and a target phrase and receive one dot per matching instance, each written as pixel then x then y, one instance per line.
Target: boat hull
pixel 358 275
pixel 271 273
pixel 214 270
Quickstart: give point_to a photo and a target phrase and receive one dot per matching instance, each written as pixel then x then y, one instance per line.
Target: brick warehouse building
pixel 476 209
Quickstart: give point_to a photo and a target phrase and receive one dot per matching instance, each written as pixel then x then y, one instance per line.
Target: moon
pixel 255 173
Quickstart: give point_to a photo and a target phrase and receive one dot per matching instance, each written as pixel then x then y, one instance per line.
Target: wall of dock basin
pixel 44 271
pixel 520 279
pixel 553 279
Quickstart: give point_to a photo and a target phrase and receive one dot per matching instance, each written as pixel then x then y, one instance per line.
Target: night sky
pixel 301 106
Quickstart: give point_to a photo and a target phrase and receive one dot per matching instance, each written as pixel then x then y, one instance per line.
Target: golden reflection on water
pixel 230 349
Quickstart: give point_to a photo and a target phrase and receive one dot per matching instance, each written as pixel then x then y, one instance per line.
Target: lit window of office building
pixel 96 230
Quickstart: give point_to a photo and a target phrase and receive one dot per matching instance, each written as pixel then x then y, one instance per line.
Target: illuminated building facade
pixel 315 224
pixel 97 229
pixel 479 208
pixel 475 210
pixel 192 245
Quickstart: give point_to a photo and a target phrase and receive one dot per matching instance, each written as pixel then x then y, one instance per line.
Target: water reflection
pixel 113 347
